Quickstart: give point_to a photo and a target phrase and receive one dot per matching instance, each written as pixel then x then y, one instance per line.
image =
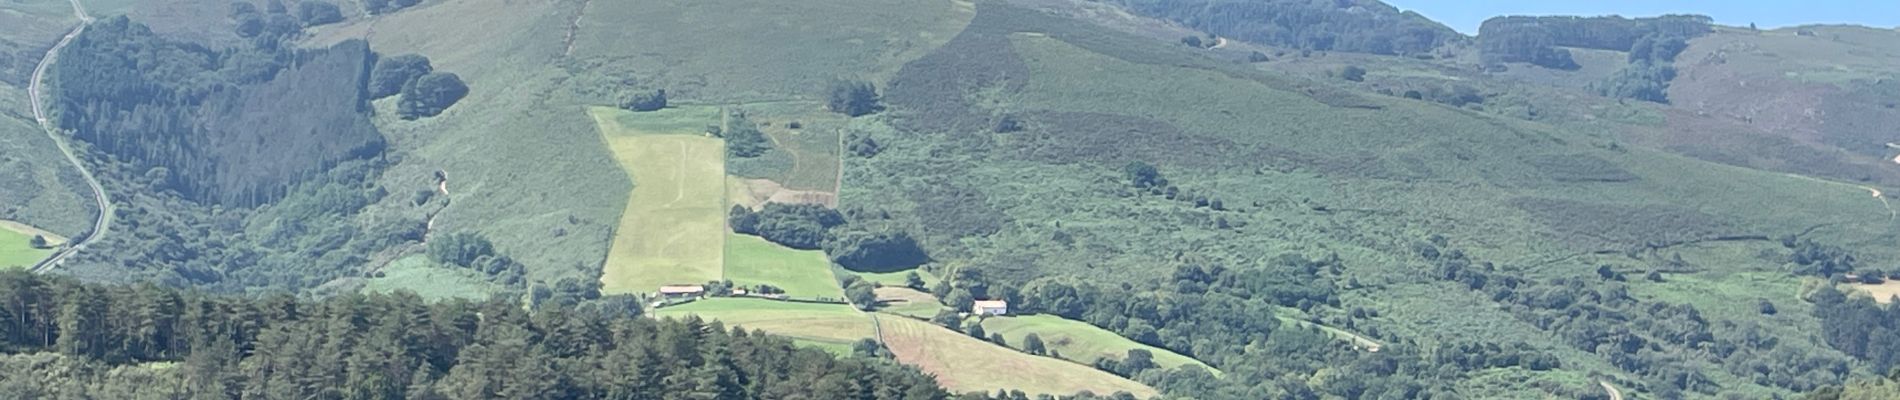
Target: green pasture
pixel 15 252
pixel 803 274
pixel 431 281
pixel 1078 341
pixel 965 364
pixel 826 326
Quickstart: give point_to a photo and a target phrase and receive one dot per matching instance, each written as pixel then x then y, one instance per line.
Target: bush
pixel 1644 81
pixel 852 98
pixel 744 140
pixel 430 95
pixel 645 101
pixel 862 145
pixel 314 13
pixel 391 74
pixel 1353 73
pixel 1192 41
pixel 1257 57
pixel 1143 175
pixel 876 252
pixel 38 242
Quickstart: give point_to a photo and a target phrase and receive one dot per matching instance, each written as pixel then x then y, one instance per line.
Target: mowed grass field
pixel 1078 341
pixel 803 274
pixel 965 364
pixel 826 326
pixel 673 230
pixel 433 282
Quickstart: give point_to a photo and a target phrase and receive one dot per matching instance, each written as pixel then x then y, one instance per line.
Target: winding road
pixel 1614 394
pixel 33 91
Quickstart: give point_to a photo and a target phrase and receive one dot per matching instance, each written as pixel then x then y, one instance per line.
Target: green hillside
pixel 1303 199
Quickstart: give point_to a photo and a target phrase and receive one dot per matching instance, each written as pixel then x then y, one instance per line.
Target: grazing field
pixel 803 160
pixel 907 302
pixel 803 274
pixel 896 278
pixel 673 230
pixel 15 251
pixel 965 364
pixel 826 326
pixel 433 282
pixel 1078 341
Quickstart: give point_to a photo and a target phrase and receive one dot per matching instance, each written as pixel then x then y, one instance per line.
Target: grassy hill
pixel 965 364
pixel 37 185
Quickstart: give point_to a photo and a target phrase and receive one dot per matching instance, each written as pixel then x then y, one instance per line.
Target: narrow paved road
pixel 33 90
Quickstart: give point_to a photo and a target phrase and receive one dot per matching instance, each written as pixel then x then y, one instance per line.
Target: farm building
pixel 681 291
pixel 990 307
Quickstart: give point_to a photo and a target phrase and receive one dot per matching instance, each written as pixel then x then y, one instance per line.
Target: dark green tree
pixel 914 281
pixel 852 98
pixel 392 74
pixel 37 242
pixel 862 294
pixel 431 94
pixel 1353 73
pixel 876 251
pixel 1032 344
pixel 317 12
pixel 1143 175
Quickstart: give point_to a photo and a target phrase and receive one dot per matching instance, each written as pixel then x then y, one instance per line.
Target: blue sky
pixel 1465 15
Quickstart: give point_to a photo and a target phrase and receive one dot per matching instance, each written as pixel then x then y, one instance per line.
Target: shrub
pixel 1257 57
pixel 744 140
pixel 430 95
pixel 1192 41
pixel 1143 175
pixel 314 13
pixel 38 242
pixel 1644 81
pixel 645 101
pixel 1353 73
pixel 862 145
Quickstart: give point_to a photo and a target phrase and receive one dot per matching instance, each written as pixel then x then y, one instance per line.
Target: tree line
pixel 813 226
pixel 1359 27
pixel 64 339
pixel 1536 40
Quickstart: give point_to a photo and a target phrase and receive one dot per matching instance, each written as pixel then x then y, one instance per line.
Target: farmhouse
pixel 681 291
pixel 990 307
